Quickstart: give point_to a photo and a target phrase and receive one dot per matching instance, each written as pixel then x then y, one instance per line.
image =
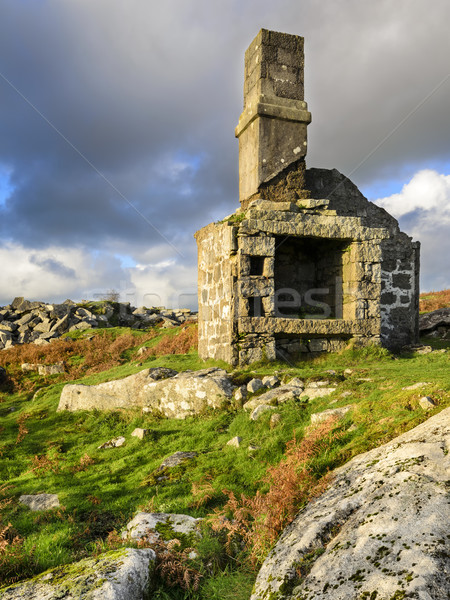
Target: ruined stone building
pixel 306 264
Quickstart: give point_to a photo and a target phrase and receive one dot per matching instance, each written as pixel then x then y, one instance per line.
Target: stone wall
pixel 306 277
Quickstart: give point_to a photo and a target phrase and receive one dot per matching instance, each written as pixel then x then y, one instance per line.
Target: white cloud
pixel 54 274
pixel 428 191
pixel 423 209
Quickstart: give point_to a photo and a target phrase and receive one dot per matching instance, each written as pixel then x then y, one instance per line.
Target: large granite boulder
pixel 176 395
pixel 379 531
pixel 123 574
pixel 435 323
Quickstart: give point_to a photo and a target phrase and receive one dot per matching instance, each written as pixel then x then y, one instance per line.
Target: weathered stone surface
pixel 331 412
pixel 270 381
pixel 259 410
pixel 123 574
pixel 382 527
pixel 427 403
pixel 416 386
pixel 188 393
pixel 114 443
pixel 315 392
pixel 275 396
pixel 140 433
pixel 40 501
pixel 254 385
pixel 178 458
pixel 145 525
pixel 51 369
pixel 430 321
pixel 235 442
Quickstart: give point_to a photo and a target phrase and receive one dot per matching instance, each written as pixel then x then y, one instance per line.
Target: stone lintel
pixel 273 325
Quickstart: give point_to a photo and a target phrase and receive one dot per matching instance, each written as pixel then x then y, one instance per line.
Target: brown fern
pixel 258 521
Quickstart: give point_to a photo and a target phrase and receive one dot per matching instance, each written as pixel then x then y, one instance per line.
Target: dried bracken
pixel 258 521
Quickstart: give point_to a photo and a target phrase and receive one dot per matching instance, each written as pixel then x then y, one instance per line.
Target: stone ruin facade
pixel 306 264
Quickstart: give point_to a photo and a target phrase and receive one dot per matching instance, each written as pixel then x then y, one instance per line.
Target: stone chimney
pixel 272 127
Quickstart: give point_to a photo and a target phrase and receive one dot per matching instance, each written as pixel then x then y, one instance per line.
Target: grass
pixel 100 490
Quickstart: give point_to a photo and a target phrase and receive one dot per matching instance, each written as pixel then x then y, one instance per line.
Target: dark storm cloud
pixel 53 265
pixel 149 94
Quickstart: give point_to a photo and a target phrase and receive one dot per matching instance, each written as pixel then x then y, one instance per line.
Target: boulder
pixel 254 385
pixel 50 369
pixel 140 433
pixel 123 574
pixel 260 410
pixel 270 381
pixel 431 321
pixel 121 393
pixel 188 393
pixel 275 396
pixel 379 531
pixel 146 525
pixel 235 442
pixel 114 443
pixel 427 403
pixel 39 501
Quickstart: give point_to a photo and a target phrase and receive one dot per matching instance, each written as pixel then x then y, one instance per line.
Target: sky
pixel 117 131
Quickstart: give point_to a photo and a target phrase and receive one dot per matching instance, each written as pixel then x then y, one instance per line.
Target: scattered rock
pixel 346 394
pixel 427 403
pixel 274 397
pixel 270 381
pixel 254 385
pixel 418 349
pixel 114 443
pixel 380 528
pixel 259 410
pixel 140 433
pixel 416 386
pixel 240 394
pixel 348 371
pixel 296 382
pixel 51 369
pixel 235 442
pixel 25 322
pixel 123 574
pixel 40 501
pixel 145 525
pixel 177 459
pixel 331 412
pixel 318 384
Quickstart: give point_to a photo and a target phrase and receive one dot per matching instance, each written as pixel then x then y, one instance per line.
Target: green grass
pixel 117 482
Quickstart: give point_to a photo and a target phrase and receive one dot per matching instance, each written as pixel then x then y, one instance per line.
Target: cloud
pixel 423 210
pixel 142 101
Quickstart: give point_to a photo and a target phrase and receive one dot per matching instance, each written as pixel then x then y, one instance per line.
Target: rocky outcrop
pixel 123 574
pixel 379 531
pixel 23 321
pixel 436 323
pixel 40 501
pixel 159 391
pixel 152 526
